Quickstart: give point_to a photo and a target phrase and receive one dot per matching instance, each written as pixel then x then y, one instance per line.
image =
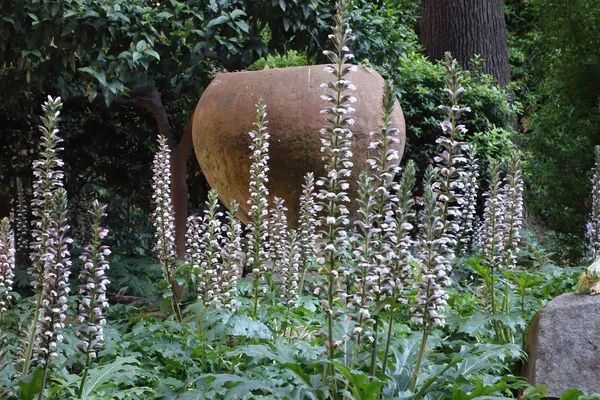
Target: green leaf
pixel 218 21
pixel 237 13
pixel 222 383
pixel 363 386
pixel 122 367
pixel 29 386
pixel 152 53
pixel 244 326
pixel 164 15
pixel 140 46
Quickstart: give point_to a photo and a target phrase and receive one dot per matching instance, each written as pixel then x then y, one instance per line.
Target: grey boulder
pixel 563 345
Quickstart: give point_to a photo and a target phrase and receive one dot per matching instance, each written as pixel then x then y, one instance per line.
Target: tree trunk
pixel 179 188
pixel 466 28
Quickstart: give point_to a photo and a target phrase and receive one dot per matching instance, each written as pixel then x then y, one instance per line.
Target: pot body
pixel 227 110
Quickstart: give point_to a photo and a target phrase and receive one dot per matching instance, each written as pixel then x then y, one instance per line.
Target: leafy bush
pixel 561 126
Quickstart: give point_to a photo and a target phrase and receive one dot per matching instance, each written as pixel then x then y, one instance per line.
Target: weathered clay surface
pixel 227 110
pixel 563 345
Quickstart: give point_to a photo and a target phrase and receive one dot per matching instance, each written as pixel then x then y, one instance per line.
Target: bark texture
pixel 466 28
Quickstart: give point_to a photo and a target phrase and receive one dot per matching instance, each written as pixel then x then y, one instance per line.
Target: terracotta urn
pixel 227 110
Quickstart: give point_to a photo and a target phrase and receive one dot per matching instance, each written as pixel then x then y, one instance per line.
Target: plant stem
pixel 387 343
pixel 523 315
pixel 43 384
pixel 85 374
pixel 374 353
pixel 256 283
pixel 32 335
pixel 413 383
pixel 301 285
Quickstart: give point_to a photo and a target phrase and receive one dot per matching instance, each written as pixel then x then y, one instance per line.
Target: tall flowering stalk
pixel 492 227
pixel 258 250
pixel 163 219
pixel 231 257
pixel 7 264
pixel 468 202
pixel 278 232
pixel 290 272
pixel 449 164
pixel 401 242
pixel 433 259
pixel 307 227
pixel 365 256
pixel 48 177
pixel 93 291
pixel 593 228
pixel 384 164
pixel 21 228
pixel 209 290
pixel 336 139
pixel 512 206
pixel 193 245
pixel 55 284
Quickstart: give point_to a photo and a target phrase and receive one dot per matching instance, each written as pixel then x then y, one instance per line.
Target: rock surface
pixel 227 109
pixel 563 345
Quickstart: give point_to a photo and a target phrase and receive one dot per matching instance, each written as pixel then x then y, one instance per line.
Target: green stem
pixel 32 335
pixel 85 374
pixel 523 316
pixel 413 383
pixel 255 309
pixel 374 353
pixel 387 343
pixel 43 384
pixel 301 285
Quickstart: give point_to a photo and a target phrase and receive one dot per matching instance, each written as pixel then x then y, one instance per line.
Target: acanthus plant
pixel 193 245
pixel 593 226
pixel 290 269
pixel 93 290
pixel 48 178
pixel 512 206
pixel 7 265
pixel 364 272
pixel 449 187
pixel 55 284
pixel 21 218
pixel 492 228
pixel 231 269
pixel 307 226
pixel 209 290
pixel 278 235
pixel 163 219
pixel 402 242
pixel 258 227
pixel 432 276
pixel 384 167
pixel 336 138
pixel 468 202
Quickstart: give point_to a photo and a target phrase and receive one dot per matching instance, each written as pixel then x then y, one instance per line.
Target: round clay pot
pixel 227 110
